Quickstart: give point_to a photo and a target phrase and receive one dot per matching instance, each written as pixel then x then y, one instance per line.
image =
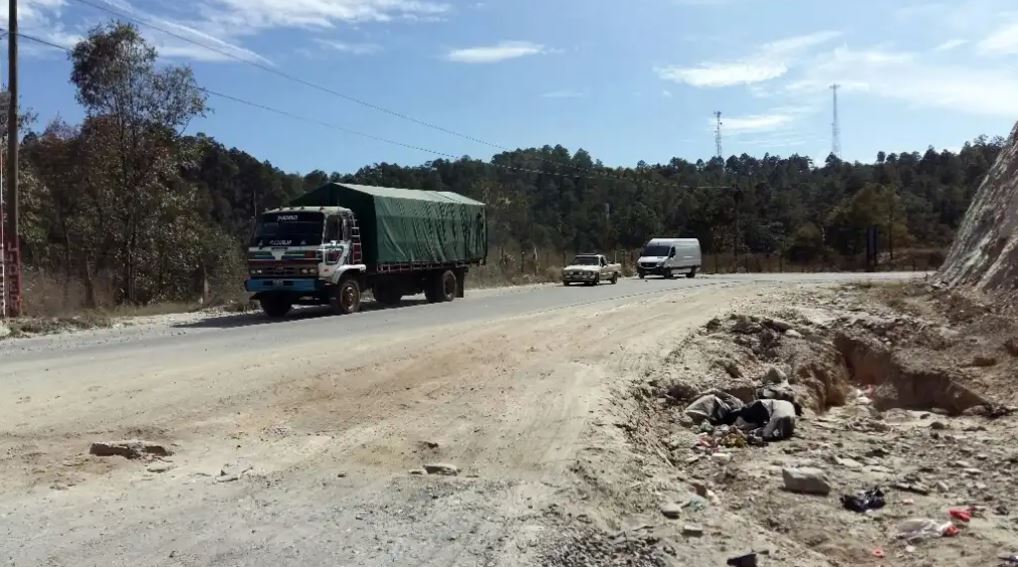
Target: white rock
pixel 806 480
pixel 671 510
pixel 793 334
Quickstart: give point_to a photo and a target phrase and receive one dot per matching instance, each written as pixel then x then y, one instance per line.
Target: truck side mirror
pixel 671 253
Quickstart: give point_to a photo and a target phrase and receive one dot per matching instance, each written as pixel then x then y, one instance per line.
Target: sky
pixel 625 80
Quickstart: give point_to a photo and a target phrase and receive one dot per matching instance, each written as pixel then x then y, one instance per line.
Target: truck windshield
pixel 289 229
pixel 655 250
pixel 585 260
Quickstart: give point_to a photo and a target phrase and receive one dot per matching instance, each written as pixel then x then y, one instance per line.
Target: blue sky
pixel 625 80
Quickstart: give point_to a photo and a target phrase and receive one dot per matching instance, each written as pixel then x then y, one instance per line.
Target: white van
pixel 669 256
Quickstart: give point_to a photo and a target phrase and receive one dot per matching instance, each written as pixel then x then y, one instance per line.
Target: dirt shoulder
pixel 905 389
pixel 310 455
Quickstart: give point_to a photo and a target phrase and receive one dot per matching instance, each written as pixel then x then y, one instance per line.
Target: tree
pixel 135 114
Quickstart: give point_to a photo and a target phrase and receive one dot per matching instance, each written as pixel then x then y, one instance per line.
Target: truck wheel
pixel 615 279
pixel 691 274
pixel 387 295
pixel 275 306
pixel 669 274
pixel 640 274
pixel 346 298
pixel 443 288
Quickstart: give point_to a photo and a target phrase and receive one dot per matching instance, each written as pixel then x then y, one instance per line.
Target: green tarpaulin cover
pixel 407 225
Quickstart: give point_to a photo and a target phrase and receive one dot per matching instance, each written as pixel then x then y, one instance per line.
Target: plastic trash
pixel 864 500
pixel 879 553
pixel 925 528
pixel 960 514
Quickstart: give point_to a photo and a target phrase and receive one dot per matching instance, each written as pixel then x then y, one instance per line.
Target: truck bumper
pixel 260 285
pixel 581 278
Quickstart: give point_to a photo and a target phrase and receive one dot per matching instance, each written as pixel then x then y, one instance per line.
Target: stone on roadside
pixel 4 330
pixel 159 467
pixel 793 334
pixel 778 325
pixel 774 375
pixel 692 530
pixel 444 469
pixel 130 449
pixel 671 511
pixel 806 480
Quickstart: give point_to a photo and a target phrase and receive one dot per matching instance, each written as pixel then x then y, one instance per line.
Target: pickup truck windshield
pixel 586 261
pixel 289 229
pixel 655 250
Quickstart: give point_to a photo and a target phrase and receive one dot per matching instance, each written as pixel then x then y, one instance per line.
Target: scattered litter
pixel 864 500
pixel 748 560
pixel 1009 560
pixel 879 553
pixel 925 528
pixel 960 514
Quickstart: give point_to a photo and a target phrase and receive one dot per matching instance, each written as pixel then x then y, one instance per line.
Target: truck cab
pixel 302 255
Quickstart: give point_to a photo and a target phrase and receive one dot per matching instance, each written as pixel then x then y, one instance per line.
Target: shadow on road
pixel 298 313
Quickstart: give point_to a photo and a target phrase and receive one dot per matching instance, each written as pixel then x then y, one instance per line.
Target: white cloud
pixel 267 14
pixel 494 53
pixel 666 93
pixel 723 74
pixel 564 93
pixel 922 83
pixel 950 44
pixel 351 48
pixel 752 123
pixel 770 61
pixel 1003 41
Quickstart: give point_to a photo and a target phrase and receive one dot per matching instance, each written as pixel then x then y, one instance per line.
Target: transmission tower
pixel 835 127
pixel 717 134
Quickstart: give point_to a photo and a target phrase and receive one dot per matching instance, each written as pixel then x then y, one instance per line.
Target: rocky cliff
pixel 984 254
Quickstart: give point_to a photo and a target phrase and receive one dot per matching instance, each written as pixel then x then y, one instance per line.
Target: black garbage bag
pixel 864 500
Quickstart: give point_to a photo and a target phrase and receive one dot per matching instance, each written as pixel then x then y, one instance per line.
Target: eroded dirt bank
pixel 904 388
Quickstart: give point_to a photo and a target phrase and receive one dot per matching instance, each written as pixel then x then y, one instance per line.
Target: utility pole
pixel 12 280
pixel 835 127
pixel 717 135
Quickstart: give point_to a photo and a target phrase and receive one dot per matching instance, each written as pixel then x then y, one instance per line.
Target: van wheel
pixel 669 274
pixel 346 298
pixel 443 288
pixel 275 306
pixel 691 274
pixel 640 274
pixel 615 279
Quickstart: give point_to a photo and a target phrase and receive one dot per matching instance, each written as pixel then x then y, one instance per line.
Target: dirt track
pixel 322 436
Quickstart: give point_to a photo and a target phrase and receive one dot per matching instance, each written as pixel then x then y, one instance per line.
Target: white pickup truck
pixel 590 269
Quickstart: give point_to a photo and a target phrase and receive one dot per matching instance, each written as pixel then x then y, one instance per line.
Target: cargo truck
pixel 331 245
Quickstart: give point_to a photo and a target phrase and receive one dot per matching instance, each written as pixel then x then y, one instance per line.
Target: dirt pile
pixel 985 250
pixel 905 394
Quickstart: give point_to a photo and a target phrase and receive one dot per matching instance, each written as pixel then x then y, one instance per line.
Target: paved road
pixel 254 332
pixel 327 414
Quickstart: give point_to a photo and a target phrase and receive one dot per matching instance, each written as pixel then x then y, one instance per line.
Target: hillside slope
pixel 984 254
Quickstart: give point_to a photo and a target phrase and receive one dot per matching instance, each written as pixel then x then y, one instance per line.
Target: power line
pixel 367 135
pixel 275 71
pixel 288 76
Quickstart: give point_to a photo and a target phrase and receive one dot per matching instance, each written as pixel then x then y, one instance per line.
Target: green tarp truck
pixel 335 242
